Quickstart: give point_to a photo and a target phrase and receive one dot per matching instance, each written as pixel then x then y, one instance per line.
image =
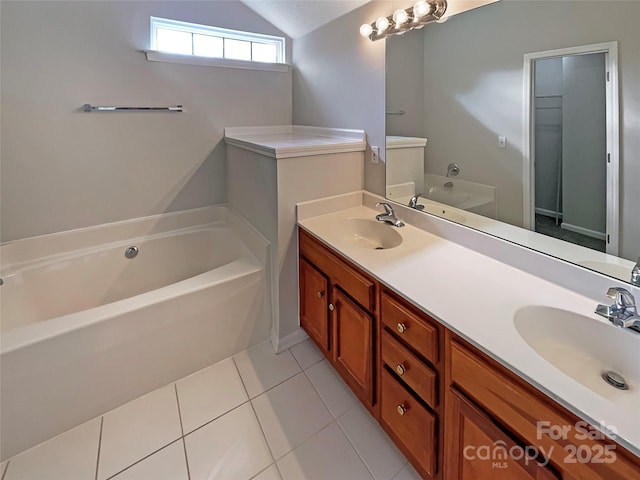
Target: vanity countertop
pixel 477 297
pixel 287 141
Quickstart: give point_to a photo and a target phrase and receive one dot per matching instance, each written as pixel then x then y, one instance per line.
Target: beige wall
pixel 338 81
pixel 64 169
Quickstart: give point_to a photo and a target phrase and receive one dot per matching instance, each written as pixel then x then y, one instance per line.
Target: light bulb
pixel 399 17
pixel 382 24
pixel 420 9
pixel 366 30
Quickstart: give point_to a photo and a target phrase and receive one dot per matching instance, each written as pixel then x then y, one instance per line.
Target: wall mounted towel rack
pixel 94 108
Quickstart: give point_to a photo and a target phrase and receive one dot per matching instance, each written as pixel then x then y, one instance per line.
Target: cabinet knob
pixel 401 409
pixel 331 307
pixel 400 369
pixel 320 294
pixel 401 327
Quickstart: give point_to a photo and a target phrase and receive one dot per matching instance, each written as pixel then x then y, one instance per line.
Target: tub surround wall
pixel 271 169
pixel 64 169
pixel 60 372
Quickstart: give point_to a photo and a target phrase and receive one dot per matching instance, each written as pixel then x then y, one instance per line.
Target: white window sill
pixel 155 56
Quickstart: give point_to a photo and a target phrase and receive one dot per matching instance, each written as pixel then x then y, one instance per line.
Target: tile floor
pixel 254 416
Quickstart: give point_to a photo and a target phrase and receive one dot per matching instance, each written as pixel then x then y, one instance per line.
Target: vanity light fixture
pixel 417 16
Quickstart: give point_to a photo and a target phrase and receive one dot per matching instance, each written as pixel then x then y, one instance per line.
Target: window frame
pixel 197 29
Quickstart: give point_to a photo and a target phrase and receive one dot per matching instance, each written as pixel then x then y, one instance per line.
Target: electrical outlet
pixel 375 154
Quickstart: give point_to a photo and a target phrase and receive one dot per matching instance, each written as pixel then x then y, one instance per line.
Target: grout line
pixel 255 414
pixel 265 469
pixel 218 417
pixel 99 447
pixel 6 467
pixel 143 458
pixel 175 389
pixel 186 458
pixel 344 432
pixel 184 444
pixel 240 375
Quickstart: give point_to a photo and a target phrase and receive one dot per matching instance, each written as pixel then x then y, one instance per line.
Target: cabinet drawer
pixel 420 378
pixel 521 408
pixel 408 326
pixel 360 288
pixel 411 423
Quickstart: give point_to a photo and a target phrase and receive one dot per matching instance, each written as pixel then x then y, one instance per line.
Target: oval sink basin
pixel 584 349
pixel 370 234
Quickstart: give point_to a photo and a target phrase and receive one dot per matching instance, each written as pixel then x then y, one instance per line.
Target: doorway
pixel 571 131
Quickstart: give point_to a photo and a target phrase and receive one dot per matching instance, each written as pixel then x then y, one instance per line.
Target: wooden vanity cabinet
pixel 338 312
pixel 411 410
pixel 487 404
pixel 450 408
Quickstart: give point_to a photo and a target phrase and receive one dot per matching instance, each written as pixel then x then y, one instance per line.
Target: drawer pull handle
pixel 320 294
pixel 401 409
pixel 331 307
pixel 400 369
pixel 401 327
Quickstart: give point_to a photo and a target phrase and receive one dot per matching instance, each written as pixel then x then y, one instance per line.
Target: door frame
pixel 610 49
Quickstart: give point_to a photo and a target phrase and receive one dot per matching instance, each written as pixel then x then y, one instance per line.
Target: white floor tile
pixel 327 455
pixel 306 353
pixel 270 473
pixel 290 413
pixel 261 369
pixel 231 447
pixel 137 429
pixel 334 392
pixel 408 473
pixel 74 454
pixel 167 464
pixel 379 453
pixel 209 393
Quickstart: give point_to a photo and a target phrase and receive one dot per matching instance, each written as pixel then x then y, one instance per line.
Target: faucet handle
pixel 623 298
pixel 387 207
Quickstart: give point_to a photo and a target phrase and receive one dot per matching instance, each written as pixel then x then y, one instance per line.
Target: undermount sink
pixel 585 349
pixel 370 234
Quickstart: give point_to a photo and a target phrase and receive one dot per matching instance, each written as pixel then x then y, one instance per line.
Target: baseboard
pixel 583 231
pixel 548 213
pixel 288 341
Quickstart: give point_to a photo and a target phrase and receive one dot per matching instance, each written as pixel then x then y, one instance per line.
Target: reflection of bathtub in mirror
pixel 470 196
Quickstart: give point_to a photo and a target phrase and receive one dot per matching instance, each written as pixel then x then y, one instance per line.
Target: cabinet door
pixel 314 305
pixel 353 344
pixel 477 448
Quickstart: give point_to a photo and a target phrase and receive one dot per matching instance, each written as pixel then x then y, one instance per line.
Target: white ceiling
pixel 296 18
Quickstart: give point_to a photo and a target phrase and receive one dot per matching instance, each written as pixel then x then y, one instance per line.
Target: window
pixel 171 36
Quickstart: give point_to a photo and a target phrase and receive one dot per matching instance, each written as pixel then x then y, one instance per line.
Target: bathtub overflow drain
pixel 615 380
pixel 131 252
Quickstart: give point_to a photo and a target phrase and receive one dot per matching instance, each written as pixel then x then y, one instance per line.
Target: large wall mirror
pixel 505 119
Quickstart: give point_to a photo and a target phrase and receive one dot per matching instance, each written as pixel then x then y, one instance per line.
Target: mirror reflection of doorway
pixel 569 107
pixel 578 151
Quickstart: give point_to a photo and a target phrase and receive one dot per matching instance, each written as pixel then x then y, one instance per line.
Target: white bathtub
pixel 85 329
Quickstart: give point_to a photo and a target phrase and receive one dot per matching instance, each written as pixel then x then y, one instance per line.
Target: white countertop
pixel 477 296
pixel 286 141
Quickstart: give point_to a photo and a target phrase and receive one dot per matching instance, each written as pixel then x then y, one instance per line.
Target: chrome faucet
pixel 413 203
pixel 453 170
pixel 635 273
pixel 623 312
pixel 389 215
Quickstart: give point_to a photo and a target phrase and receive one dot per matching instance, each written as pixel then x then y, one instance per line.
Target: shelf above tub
pixel 288 141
